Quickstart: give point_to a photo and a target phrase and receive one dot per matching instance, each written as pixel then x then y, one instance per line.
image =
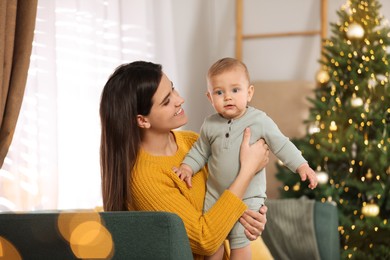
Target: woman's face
pixel 166 112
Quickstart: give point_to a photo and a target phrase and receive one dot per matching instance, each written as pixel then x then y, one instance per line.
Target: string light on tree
pixel 372 83
pixel 369 174
pixel 353 150
pixel 314 128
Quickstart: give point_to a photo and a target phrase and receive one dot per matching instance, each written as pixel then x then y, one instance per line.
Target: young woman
pixel 139 109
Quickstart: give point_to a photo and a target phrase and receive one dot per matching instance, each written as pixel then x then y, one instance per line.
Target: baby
pixel 229 91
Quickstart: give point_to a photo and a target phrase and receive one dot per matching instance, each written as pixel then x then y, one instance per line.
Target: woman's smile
pixel 179 112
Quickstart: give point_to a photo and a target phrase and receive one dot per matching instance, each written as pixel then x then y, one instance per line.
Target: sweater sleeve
pixel 153 190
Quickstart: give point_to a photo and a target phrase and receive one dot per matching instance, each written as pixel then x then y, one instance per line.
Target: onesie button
pixel 227 135
pixel 229 121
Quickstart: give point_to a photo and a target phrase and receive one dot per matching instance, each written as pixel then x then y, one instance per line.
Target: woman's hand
pixel 253 157
pixel 254 222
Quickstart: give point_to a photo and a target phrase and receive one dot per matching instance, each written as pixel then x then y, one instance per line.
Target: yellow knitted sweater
pixel 155 187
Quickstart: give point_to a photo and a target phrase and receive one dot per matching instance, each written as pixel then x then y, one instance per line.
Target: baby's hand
pixel 306 172
pixel 185 173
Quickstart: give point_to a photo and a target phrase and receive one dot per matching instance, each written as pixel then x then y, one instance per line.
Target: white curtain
pixel 53 162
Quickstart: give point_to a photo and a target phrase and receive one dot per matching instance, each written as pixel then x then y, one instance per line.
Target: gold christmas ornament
pixel 322 177
pixel 370 210
pixel 333 126
pixel 356 101
pixel 322 76
pixel 355 31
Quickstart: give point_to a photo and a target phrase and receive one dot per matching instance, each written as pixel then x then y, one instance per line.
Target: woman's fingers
pixel 254 223
pixel 253 157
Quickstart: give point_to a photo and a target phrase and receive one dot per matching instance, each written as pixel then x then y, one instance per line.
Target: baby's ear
pixel 209 97
pixel 251 91
pixel 142 121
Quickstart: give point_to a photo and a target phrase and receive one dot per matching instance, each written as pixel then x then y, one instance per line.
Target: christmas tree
pixel 348 131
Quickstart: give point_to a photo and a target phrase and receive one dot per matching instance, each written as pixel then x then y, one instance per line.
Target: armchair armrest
pixel 302 229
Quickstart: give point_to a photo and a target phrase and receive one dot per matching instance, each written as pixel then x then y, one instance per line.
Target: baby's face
pixel 230 92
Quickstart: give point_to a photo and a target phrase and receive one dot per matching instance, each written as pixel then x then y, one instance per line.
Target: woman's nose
pixel 179 100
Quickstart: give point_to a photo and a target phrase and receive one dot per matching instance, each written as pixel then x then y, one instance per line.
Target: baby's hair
pixel 226 64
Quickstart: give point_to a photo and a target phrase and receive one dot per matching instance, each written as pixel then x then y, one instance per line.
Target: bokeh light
pixel 86 234
pixel 8 250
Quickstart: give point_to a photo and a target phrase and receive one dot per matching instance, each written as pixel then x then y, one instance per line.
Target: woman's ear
pixel 142 121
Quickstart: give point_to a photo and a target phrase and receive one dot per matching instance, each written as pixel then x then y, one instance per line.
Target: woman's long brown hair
pixel 127 93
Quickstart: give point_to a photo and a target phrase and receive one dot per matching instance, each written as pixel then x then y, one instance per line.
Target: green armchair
pixel 81 234
pixel 296 229
pixel 302 229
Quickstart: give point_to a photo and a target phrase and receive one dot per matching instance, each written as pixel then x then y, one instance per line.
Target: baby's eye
pixel 235 90
pixel 218 92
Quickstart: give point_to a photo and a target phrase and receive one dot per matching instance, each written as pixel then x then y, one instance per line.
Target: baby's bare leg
pixel 217 255
pixel 243 253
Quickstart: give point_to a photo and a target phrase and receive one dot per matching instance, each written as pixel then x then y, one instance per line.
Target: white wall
pixel 205 31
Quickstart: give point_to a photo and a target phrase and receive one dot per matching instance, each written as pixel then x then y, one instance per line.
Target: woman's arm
pixel 156 190
pixel 254 222
pixel 250 163
pixel 153 190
